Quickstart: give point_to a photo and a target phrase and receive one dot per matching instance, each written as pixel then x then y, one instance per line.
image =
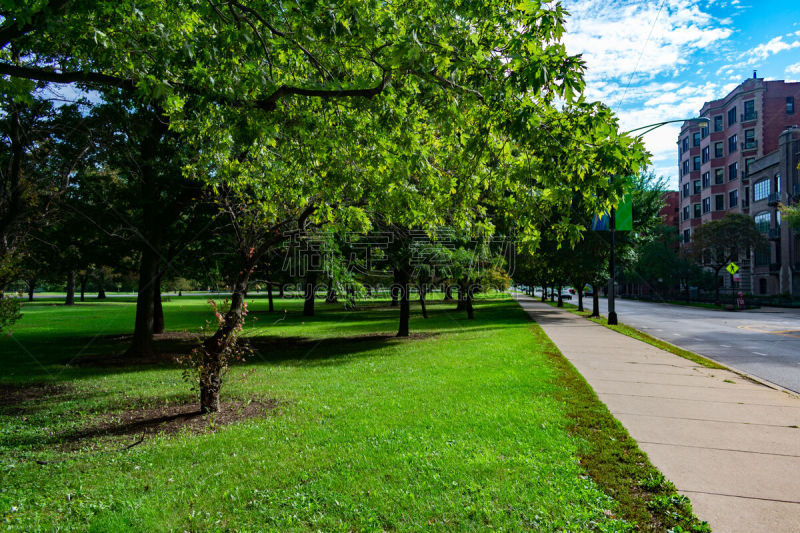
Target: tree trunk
pixel 405 307
pixel 280 291
pixel 101 290
pixel 310 289
pixel 83 281
pixel 158 309
pixel 580 300
pixel 31 288
pixel 448 293
pixel 269 297
pixel 560 299
pixel 70 300
pixel 468 302
pixel 142 343
pixel 330 296
pixel 394 290
pixel 461 306
pixel 216 345
pixel 422 301
pixel 595 301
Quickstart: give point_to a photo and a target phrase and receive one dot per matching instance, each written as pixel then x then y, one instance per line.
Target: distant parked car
pixel 566 295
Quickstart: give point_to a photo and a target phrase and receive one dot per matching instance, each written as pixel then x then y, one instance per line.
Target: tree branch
pixel 40 74
pixel 267 104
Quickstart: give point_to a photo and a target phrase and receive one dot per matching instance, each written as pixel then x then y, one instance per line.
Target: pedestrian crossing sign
pixel 732 268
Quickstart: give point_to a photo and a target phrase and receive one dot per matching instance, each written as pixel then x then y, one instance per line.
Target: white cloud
pixel 772 47
pixel 793 69
pixel 617 37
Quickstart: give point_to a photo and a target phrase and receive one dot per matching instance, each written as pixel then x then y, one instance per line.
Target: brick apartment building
pixel 670 213
pixel 722 161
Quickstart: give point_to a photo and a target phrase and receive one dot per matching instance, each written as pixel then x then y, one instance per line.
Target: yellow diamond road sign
pixel 732 268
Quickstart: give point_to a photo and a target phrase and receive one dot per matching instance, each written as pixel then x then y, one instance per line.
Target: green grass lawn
pixel 469 425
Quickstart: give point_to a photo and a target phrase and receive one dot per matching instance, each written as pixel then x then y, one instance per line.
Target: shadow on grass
pixel 58 357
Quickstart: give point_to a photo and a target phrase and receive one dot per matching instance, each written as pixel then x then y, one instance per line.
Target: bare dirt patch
pixel 168 346
pixel 12 395
pixel 171 419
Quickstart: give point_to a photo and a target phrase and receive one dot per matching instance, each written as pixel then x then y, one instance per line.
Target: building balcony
pixel 749 145
pixel 774 234
pixel 774 198
pixel 747 117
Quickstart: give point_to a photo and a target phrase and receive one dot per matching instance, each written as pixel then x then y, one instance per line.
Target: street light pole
pixel 612 310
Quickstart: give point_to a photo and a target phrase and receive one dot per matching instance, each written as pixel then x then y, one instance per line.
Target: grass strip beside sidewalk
pixel 642 336
pixel 612 458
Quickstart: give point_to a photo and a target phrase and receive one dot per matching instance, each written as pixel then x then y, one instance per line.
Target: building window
pixel 719 176
pixel 733 198
pixel 760 190
pixel 686 213
pixel 704 131
pixel 686 190
pixel 719 202
pixel 749 110
pixel 706 154
pixel 706 204
pixel 731 116
pixel 686 167
pixel 762 221
pixel 719 149
pixel 718 123
pixel 762 282
pixel 747 165
pixel 790 105
pixel 686 144
pixel 706 179
pixel 697 187
pixel 732 140
pixel 777 183
pixel 697 212
pixel 750 139
pixel 696 139
pixel 733 170
pixel 696 162
pixel 686 235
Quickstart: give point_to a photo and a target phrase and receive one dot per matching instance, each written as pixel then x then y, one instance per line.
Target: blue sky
pixel 655 60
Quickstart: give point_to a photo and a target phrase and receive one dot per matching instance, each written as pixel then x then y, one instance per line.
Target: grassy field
pixel 468 425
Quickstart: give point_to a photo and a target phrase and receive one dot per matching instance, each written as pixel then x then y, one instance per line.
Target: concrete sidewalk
pixel 732 446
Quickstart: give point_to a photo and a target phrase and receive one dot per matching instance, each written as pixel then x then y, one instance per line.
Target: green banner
pixel 623 217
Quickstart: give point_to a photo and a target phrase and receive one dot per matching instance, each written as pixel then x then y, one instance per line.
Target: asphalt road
pixel 763 342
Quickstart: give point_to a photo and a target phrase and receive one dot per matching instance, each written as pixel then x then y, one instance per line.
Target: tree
pixel 717 243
